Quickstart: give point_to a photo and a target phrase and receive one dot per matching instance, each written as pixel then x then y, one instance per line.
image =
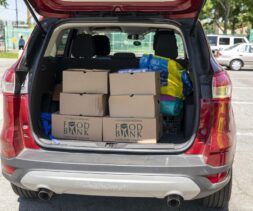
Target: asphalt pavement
pixel 242 194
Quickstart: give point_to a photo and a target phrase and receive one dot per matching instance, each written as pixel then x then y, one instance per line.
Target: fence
pixel 10 35
pixel 121 43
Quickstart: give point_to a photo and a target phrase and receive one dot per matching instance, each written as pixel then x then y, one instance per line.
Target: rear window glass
pixel 224 41
pixel 251 49
pixel 212 40
pixel 231 47
pixel 242 48
pixel 238 40
pixel 62 43
pixel 120 42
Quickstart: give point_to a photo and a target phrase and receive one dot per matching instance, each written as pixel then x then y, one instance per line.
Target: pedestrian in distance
pixel 21 43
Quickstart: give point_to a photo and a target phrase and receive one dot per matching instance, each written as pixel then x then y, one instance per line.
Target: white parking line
pixel 242 103
pixel 244 134
pixel 242 87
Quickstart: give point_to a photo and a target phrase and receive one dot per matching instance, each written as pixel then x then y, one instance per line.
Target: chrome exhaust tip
pixel 174 201
pixel 45 195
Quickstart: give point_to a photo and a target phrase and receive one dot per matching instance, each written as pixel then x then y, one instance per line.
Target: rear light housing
pixel 16 134
pixel 8 82
pixel 221 86
pixel 215 138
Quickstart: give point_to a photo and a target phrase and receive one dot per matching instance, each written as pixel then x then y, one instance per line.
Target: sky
pixel 9 13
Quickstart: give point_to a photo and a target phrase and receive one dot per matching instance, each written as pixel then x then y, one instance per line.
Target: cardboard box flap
pixel 83 104
pixel 87 70
pixel 85 81
pixel 135 83
pixel 134 106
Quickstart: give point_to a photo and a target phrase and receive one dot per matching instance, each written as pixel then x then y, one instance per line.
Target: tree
pixel 3 3
pixel 225 5
pixel 228 14
pixel 216 12
pixel 249 4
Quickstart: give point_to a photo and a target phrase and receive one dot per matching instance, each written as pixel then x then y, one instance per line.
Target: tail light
pixel 16 134
pixel 222 87
pixel 8 82
pixel 215 137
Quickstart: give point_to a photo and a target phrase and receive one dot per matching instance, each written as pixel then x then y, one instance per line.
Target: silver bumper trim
pixel 121 185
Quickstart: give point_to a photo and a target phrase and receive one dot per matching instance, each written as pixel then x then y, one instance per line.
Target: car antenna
pixel 197 17
pixel 35 17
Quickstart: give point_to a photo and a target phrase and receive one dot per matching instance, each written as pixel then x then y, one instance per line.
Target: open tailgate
pixel 174 9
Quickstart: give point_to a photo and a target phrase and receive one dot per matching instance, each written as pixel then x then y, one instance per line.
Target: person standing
pixel 21 43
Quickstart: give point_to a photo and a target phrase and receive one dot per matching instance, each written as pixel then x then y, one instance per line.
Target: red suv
pixel 195 162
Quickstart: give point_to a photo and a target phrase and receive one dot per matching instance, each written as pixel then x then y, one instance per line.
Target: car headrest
pixel 165 44
pixel 124 55
pixel 102 45
pixel 83 46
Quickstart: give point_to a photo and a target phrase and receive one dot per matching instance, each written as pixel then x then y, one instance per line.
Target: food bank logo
pixel 129 130
pixel 76 128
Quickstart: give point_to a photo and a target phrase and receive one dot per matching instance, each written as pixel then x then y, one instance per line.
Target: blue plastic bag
pixel 46 119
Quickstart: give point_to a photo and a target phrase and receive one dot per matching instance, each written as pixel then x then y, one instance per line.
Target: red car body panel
pixel 173 9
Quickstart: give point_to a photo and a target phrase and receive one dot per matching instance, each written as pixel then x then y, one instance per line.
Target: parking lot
pixel 242 195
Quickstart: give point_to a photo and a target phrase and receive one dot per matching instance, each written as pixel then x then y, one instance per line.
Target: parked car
pixel 220 42
pixel 196 164
pixel 237 57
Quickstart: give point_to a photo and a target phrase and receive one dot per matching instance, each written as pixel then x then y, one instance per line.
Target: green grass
pixel 8 55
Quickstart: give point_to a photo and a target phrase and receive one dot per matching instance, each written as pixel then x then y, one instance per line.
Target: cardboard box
pixel 133 130
pixel 134 106
pixel 85 81
pixel 83 104
pixel 135 83
pixel 77 127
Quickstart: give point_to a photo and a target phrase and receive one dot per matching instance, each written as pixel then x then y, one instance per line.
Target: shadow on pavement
pixel 91 203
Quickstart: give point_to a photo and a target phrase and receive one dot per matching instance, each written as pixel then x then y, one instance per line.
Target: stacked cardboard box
pixel 83 103
pixel 134 108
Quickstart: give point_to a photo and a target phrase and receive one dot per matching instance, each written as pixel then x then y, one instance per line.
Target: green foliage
pixel 3 3
pixel 227 14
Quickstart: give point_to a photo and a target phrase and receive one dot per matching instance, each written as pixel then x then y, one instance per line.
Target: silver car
pixel 237 56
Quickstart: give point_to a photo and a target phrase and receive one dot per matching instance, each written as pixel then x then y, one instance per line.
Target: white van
pixel 220 42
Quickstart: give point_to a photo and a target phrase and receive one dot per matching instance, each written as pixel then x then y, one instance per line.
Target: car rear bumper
pixel 123 185
pixel 114 175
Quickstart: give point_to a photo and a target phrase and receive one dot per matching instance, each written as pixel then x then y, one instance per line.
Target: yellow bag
pixel 175 84
pixel 171 76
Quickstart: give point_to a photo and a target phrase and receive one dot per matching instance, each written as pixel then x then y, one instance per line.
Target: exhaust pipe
pixel 174 201
pixel 45 195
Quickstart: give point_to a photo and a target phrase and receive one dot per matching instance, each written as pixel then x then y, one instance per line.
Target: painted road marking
pixel 242 103
pixel 244 134
pixel 242 87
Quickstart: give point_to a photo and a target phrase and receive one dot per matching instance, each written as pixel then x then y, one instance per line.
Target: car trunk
pixel 178 132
